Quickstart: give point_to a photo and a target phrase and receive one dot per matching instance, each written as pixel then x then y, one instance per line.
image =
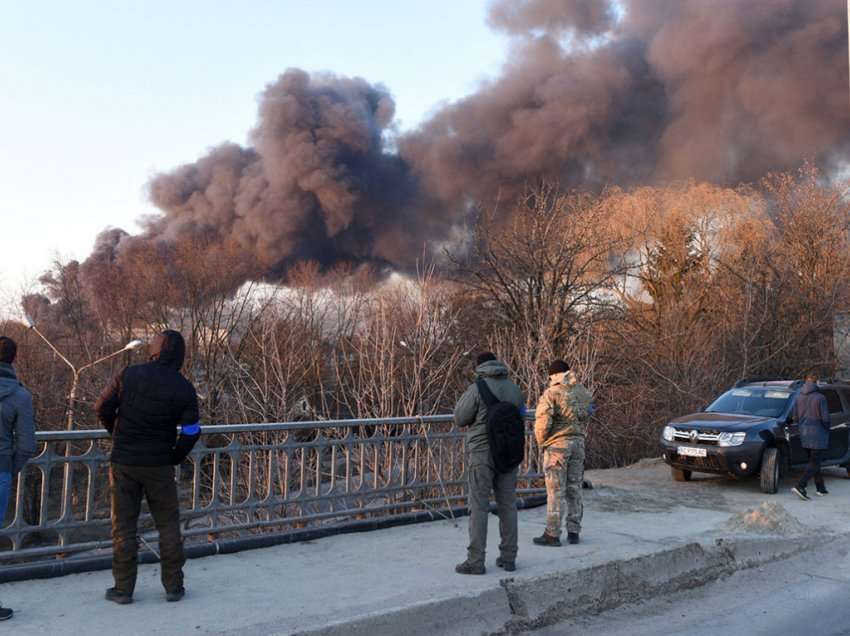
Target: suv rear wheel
pixel 680 474
pixel 770 461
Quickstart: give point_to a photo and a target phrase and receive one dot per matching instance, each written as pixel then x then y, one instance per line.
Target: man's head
pixel 812 376
pixel 484 356
pixel 558 366
pixel 8 350
pixel 169 349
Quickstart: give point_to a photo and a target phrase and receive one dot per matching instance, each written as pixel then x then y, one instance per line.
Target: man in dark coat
pixel 142 408
pixel 812 415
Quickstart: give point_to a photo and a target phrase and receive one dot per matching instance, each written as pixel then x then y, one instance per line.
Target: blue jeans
pixel 5 488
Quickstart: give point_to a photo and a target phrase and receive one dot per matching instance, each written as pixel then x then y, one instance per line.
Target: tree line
pixel 658 296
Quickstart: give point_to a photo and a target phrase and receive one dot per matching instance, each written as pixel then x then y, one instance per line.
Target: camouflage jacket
pixel 562 411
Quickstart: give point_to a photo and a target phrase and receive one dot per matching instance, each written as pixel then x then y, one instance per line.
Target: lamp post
pixel 72 396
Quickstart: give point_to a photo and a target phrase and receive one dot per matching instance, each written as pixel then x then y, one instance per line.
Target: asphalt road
pixel 808 595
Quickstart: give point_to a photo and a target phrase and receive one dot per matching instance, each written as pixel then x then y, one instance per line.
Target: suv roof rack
pixel 762 379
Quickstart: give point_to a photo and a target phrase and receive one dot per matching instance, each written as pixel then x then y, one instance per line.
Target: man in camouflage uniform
pixel 561 418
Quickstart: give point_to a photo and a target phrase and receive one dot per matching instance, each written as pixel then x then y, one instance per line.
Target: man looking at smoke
pixel 142 408
pixel 559 428
pixel 17 431
pixel 471 413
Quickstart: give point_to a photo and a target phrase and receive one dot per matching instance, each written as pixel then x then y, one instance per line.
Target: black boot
pixel 572 537
pixel 116 596
pixel 547 539
pixel 469 568
pixel 6 613
pixel 176 595
pixel 507 566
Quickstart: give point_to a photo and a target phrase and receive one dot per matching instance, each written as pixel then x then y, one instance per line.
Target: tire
pixel 680 474
pixel 770 461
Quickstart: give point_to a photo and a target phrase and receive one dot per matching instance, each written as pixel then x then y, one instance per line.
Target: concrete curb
pixel 524 604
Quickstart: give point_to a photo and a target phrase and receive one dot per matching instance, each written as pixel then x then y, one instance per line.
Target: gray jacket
pixel 470 410
pixel 17 430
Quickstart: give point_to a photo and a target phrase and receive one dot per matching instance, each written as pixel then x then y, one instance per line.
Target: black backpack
pixel 505 430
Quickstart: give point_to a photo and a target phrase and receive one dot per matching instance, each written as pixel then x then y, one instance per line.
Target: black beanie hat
pixel 558 366
pixel 483 357
pixel 8 350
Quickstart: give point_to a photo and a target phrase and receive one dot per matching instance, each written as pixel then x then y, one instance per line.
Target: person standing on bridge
pixel 17 430
pixel 559 427
pixel 471 413
pixel 142 408
pixel 812 414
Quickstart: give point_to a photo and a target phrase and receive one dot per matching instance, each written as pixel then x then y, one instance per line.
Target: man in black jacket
pixel 142 408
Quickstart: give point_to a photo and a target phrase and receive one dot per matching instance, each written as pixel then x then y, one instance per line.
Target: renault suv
pixel 750 430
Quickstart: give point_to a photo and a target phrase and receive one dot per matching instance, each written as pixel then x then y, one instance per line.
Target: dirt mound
pixel 768 518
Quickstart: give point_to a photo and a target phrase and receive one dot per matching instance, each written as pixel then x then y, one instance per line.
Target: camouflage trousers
pixel 564 470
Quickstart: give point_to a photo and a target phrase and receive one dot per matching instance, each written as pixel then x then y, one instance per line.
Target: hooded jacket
pixel 471 411
pixel 145 403
pixel 17 429
pixel 812 414
pixel 562 411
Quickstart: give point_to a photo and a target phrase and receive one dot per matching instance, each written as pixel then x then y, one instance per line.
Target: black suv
pixel 750 429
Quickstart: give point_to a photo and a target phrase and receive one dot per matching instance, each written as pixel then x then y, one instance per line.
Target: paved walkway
pixel 288 588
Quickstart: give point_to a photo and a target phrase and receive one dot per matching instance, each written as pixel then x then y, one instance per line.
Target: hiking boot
pixel 176 595
pixel 822 493
pixel 117 596
pixel 469 568
pixel 545 539
pixel 572 537
pixel 6 613
pixel 507 566
pixel 801 493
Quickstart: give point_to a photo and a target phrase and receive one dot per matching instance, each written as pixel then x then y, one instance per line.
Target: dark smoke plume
pixel 594 93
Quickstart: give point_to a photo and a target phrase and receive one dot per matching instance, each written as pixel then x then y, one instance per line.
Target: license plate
pixel 689 451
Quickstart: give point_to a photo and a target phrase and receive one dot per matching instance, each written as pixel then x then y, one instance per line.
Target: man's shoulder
pixel 22 393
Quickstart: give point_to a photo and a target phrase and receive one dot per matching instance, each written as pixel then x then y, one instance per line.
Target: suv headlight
pixel 667 435
pixel 731 439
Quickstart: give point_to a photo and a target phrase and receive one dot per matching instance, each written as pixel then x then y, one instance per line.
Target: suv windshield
pixel 767 402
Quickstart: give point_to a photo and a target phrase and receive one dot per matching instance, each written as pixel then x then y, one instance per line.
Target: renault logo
pixel 694 436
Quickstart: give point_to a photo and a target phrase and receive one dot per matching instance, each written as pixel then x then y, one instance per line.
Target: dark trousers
pixel 156 483
pixel 813 470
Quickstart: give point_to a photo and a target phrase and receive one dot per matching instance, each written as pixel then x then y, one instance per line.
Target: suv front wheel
pixel 770 460
pixel 680 474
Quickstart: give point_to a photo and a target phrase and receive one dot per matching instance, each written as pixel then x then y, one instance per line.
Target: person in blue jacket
pixel 812 415
pixel 17 430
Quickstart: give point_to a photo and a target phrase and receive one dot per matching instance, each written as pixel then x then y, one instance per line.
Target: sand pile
pixel 768 518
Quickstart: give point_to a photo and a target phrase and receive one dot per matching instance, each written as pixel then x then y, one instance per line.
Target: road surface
pixel 806 595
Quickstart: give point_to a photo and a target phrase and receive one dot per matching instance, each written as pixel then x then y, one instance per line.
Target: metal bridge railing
pixel 249 479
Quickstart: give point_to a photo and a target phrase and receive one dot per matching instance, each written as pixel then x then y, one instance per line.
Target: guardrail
pixel 248 480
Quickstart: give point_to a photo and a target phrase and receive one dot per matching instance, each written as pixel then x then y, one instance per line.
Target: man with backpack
pixel 559 427
pixel 142 408
pixel 17 431
pixel 491 410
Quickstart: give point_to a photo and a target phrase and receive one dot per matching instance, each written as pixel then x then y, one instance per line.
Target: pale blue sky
pixel 97 96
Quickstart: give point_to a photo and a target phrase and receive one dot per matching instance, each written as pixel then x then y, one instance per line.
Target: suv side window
pixel 845 395
pixel 832 400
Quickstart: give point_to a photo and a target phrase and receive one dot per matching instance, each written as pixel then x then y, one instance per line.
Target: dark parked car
pixel 750 430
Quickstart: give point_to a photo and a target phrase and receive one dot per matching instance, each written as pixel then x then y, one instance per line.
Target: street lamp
pixel 72 396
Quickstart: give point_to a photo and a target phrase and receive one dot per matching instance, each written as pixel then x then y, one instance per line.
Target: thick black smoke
pixel 593 93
